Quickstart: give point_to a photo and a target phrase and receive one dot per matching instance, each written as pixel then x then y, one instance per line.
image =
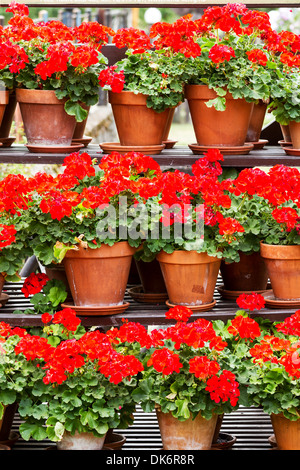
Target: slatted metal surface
pixel 251 427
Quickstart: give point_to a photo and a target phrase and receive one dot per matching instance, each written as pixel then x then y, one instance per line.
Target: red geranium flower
pixel 251 301
pixel 34 283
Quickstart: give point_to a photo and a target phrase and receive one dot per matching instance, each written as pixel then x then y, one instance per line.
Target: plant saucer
pixel 169 144
pixel 84 140
pixel 195 308
pixel 139 295
pixel 291 151
pixel 97 311
pixel 284 143
pixel 226 150
pixel 3 299
pixel 7 141
pixel 234 294
pixel 37 148
pixel 109 147
pixel 272 302
pixel 259 145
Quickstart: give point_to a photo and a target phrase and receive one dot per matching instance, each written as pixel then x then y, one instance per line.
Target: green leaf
pixel 74 109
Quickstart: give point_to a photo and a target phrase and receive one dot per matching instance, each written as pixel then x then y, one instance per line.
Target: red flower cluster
pixel 220 53
pixel 179 36
pixel 165 361
pixel 7 235
pixel 252 301
pixel 94 33
pixel 132 38
pixel 291 325
pixel 109 77
pixel 257 56
pixel 179 313
pixel 203 368
pixel 244 327
pixel 287 216
pixel 34 283
pixel 223 388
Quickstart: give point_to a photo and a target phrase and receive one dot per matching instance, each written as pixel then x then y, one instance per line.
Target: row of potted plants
pixel 229 65
pixel 93 219
pixel 73 385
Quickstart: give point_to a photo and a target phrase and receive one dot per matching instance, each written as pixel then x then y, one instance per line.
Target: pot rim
pixel 24 95
pixel 4 96
pixel 203 92
pixel 119 249
pixel 279 251
pixel 186 257
pixel 127 98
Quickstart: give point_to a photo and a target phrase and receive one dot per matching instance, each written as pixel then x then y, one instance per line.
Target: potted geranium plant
pixel 58 72
pixel 194 232
pixel 75 385
pixel 83 216
pixel 227 75
pixel 273 379
pixel 146 86
pixel 184 381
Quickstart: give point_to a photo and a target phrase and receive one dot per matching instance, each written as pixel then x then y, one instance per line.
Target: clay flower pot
pixel 190 277
pixel 45 121
pixel 283 266
pixel 286 133
pixel 137 125
pixel 218 128
pixel 7 420
pixel 287 432
pixel 294 128
pixel 191 434
pixel 256 121
pixel 248 274
pixel 98 277
pixel 151 277
pixel 80 441
pixel 8 116
pixel 4 99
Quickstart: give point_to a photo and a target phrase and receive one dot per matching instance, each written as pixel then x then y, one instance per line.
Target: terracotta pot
pixel 151 277
pixel 295 134
pixel 7 420
pixel 287 432
pixel 219 128
pixel 113 440
pixel 286 133
pixel 8 115
pixel 218 427
pixel 137 125
pixel 190 434
pixel 248 274
pixel 2 282
pixel 45 120
pixel 4 99
pixel 80 441
pixel 80 126
pixel 256 121
pixel 190 277
pixel 168 124
pixel 98 277
pixel 283 266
